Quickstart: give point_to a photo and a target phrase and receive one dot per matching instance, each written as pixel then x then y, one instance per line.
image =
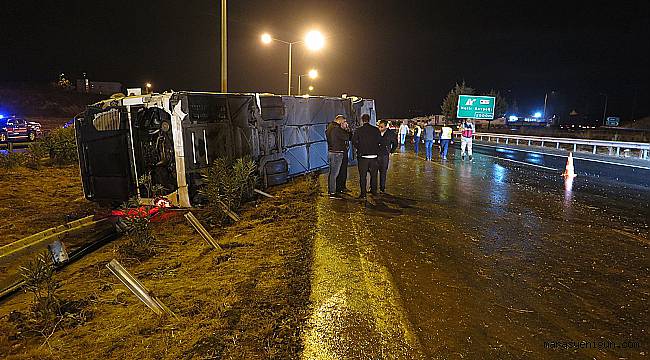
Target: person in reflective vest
pixel 445 139
pixel 417 134
pixel 467 133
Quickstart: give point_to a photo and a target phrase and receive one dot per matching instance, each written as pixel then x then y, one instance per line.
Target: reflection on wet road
pixel 482 259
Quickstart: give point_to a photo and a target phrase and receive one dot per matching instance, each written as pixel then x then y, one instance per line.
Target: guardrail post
pixel 575 147
pixel 618 151
pixel 542 143
pixel 594 149
pixel 517 141
pixel 644 154
pixel 557 145
pixel 497 140
pixel 506 141
pixel 528 142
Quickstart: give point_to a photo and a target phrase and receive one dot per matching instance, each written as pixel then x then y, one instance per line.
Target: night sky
pixel 405 54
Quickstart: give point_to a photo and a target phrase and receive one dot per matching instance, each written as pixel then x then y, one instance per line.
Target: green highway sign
pixel 475 107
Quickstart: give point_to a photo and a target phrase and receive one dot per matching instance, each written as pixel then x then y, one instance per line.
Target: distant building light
pixel 513 118
pixel 538 115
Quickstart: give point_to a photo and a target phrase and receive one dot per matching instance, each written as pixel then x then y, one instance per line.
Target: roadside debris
pixel 227 211
pixel 59 252
pixel 138 289
pixel 202 231
pixel 263 193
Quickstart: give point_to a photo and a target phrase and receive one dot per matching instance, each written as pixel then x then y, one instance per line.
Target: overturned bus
pixel 169 138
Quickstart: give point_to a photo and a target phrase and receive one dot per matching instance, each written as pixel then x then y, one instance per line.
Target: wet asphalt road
pixel 483 259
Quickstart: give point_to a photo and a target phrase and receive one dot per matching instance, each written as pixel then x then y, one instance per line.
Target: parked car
pixel 14 129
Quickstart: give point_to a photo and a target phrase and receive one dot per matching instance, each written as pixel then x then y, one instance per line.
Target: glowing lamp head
pixel 311 88
pixel 314 40
pixel 266 38
pixel 313 73
pixel 148 85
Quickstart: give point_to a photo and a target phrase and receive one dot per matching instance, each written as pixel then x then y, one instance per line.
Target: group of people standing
pixel 427 133
pixel 374 144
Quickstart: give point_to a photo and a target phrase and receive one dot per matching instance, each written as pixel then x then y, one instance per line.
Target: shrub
pixel 138 229
pixel 48 310
pixel 38 277
pixel 148 188
pixel 12 159
pixel 230 183
pixel 61 146
pixel 36 152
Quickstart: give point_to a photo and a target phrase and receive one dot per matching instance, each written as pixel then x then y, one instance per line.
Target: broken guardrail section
pixel 227 210
pixel 52 234
pixel 201 230
pixel 138 289
pixel 263 193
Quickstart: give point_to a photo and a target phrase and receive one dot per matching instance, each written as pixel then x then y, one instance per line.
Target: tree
pixel 515 107
pixel 450 104
pixel 500 103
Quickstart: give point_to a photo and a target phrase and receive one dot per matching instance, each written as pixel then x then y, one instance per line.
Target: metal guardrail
pixel 643 148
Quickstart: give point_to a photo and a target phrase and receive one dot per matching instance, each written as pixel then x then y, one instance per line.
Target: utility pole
pixel 289 89
pixel 224 46
pixel 605 111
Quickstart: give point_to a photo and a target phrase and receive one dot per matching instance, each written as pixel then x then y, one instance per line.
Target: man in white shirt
pixel 403 130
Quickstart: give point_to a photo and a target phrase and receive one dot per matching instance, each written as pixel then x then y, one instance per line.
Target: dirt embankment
pixel 43 100
pixel 248 301
pixel 43 103
pixel 36 200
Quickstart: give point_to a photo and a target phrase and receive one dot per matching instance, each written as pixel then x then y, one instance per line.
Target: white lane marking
pixel 521 162
pixel 566 156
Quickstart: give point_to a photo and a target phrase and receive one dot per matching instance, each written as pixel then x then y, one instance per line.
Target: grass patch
pixel 249 301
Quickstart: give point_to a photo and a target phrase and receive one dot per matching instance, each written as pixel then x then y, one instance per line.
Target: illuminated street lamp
pixel 314 40
pixel 313 73
pixel 311 88
pixel 148 85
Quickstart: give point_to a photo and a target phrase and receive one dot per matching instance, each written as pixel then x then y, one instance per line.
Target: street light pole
pixel 224 47
pixel 605 110
pixel 289 89
pixel 312 74
pixel 313 40
pixel 545 99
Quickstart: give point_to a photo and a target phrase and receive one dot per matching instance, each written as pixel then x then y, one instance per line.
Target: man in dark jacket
pixel 387 146
pixel 366 140
pixel 336 147
pixel 342 179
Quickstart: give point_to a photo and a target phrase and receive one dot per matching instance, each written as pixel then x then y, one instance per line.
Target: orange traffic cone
pixel 569 172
